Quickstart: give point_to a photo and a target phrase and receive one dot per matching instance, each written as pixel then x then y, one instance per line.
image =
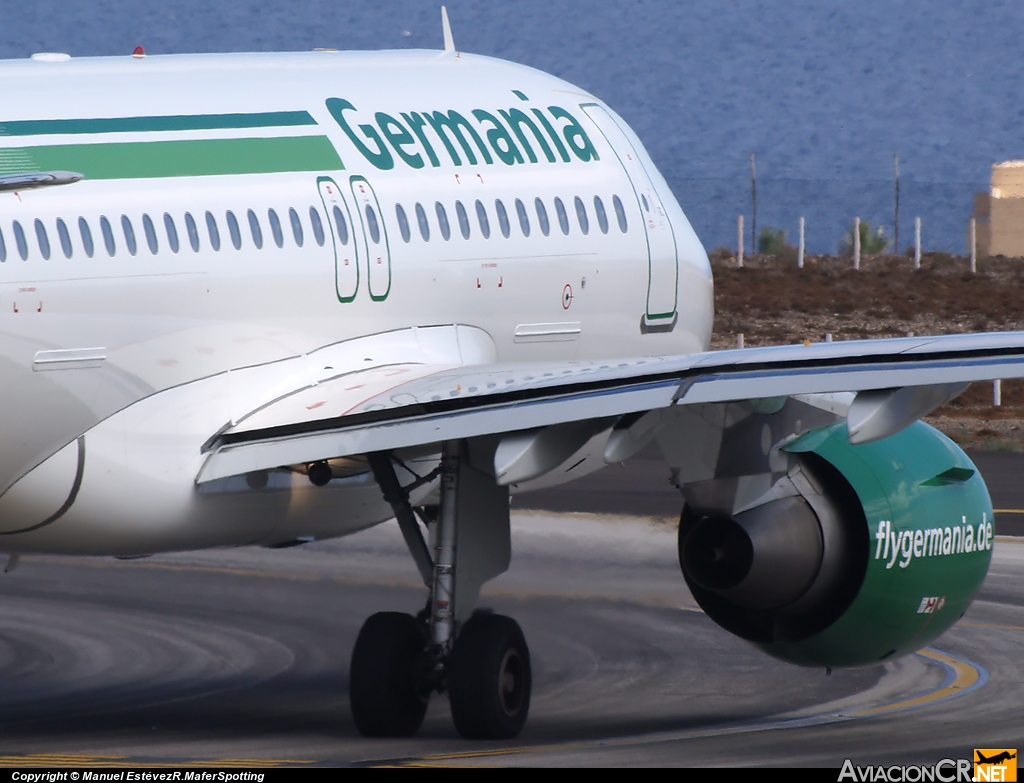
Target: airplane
pixel 996 759
pixel 268 299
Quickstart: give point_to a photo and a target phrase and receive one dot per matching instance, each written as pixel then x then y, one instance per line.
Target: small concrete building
pixel 999 214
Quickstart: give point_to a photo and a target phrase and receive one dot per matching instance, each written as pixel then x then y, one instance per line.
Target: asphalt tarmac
pixel 241 657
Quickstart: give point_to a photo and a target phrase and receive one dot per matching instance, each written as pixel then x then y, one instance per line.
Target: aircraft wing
pixel 424 404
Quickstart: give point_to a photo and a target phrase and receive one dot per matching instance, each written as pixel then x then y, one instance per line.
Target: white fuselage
pixel 116 367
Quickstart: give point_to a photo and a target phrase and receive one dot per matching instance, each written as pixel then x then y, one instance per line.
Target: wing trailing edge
pixel 437 404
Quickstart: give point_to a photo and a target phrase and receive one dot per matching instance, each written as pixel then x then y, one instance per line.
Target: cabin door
pixel 373 239
pixel 662 256
pixel 346 257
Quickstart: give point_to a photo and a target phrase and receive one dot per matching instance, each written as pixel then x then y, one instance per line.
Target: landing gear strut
pixel 479 658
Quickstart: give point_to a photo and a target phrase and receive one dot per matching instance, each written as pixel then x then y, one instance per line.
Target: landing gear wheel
pixel 387 700
pixel 489 678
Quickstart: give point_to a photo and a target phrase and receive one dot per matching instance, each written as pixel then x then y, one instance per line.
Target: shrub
pixel 871 242
pixel 772 242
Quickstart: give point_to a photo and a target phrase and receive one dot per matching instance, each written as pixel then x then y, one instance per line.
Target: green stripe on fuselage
pixel 184 158
pixel 180 122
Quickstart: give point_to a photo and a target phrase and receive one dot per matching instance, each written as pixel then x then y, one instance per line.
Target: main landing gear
pixel 479 658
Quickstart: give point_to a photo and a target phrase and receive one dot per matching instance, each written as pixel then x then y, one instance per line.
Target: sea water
pixel 824 93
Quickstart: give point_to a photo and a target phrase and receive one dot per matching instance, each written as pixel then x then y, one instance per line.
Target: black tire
pixel 383 691
pixel 489 678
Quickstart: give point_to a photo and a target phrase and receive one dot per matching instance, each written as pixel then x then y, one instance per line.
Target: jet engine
pixel 858 554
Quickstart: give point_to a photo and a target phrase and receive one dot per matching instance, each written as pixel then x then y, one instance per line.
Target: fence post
pixel 739 241
pixel 896 215
pixel 856 243
pixel 739 340
pixel 997 392
pixel 974 247
pixel 917 243
pixel 800 250
pixel 753 201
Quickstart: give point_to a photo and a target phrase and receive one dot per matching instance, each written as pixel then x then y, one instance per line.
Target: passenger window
pixel 65 237
pixel 442 221
pixel 524 218
pixel 563 218
pixel 213 231
pixel 602 217
pixel 481 216
pixel 372 225
pixel 463 219
pixel 193 231
pixel 647 207
pixel 3 248
pixel 150 229
pixel 255 230
pixel 129 235
pixel 172 233
pixel 275 228
pixel 403 222
pixel 620 213
pixel 108 236
pixel 421 218
pixel 581 215
pixel 86 232
pixel 341 225
pixel 233 229
pixel 43 239
pixel 542 217
pixel 296 226
pixel 318 226
pixel 20 241
pixel 502 217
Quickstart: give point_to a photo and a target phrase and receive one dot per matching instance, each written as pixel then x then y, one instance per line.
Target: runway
pixel 241 657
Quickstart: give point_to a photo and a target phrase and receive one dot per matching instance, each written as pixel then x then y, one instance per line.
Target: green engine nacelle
pixel 883 560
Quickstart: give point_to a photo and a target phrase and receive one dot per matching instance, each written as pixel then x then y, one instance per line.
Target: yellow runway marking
pixel 70 760
pixel 253 762
pixel 59 760
pixel 966 676
pixel 989 625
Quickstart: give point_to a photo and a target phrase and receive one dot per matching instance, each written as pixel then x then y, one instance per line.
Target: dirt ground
pixel 770 301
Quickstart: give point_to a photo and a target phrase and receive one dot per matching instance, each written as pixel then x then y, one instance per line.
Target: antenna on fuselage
pixel 446 28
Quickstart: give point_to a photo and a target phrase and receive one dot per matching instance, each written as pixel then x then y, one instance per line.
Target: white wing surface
pixel 402 406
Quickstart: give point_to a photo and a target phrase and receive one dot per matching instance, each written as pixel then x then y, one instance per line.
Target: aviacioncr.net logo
pixel 945 771
pixel 995 764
